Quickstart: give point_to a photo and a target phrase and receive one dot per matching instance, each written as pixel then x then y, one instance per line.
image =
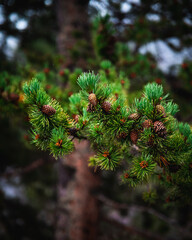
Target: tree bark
pixel 73 26
pixel 77 212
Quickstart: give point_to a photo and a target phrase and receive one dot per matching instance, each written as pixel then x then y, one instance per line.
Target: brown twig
pixel 132 230
pixel 149 210
pixel 20 171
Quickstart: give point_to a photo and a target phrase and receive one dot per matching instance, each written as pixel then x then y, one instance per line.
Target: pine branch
pixel 113 128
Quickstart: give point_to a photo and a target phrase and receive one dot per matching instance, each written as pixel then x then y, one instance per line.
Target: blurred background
pixel 55 41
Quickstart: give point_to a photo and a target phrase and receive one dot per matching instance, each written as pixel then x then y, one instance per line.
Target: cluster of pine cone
pixel 106 106
pixel 158 126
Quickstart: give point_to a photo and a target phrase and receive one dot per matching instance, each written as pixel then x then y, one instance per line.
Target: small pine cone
pixel 147 123
pixel 134 116
pixel 134 136
pixel 48 110
pixel 90 108
pixel 106 106
pixel 13 97
pixel 92 99
pixel 160 110
pixel 160 129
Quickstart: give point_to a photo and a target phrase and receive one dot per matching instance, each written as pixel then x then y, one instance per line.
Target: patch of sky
pixel 13 189
pixel 125 7
pixel 48 2
pixel 2 19
pixel 21 24
pixel 11 46
pixel 165 56
pixel 13 17
pixel 1 39
pixel 188 21
pixel 153 17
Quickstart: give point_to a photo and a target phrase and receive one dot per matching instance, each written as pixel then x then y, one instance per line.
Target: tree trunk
pixel 73 34
pixel 77 212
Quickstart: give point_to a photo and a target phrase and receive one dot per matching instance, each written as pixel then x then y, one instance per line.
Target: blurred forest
pixel 132 41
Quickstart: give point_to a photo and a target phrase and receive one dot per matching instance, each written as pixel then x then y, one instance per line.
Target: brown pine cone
pixel 160 110
pixel 134 116
pixel 160 129
pixel 92 99
pixel 106 106
pixel 134 136
pixel 147 123
pixel 48 110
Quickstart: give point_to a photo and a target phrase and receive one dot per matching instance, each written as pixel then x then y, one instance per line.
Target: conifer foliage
pixel 114 128
pixel 50 124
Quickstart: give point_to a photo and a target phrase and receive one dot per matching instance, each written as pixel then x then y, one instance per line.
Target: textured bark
pixel 73 24
pixel 77 214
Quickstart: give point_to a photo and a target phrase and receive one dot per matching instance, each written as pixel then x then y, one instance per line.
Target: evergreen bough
pixel 164 147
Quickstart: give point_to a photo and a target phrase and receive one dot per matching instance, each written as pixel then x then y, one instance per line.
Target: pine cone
pixel 48 110
pixel 147 123
pixel 106 106
pixel 160 110
pixel 134 136
pixel 160 129
pixel 92 99
pixel 134 116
